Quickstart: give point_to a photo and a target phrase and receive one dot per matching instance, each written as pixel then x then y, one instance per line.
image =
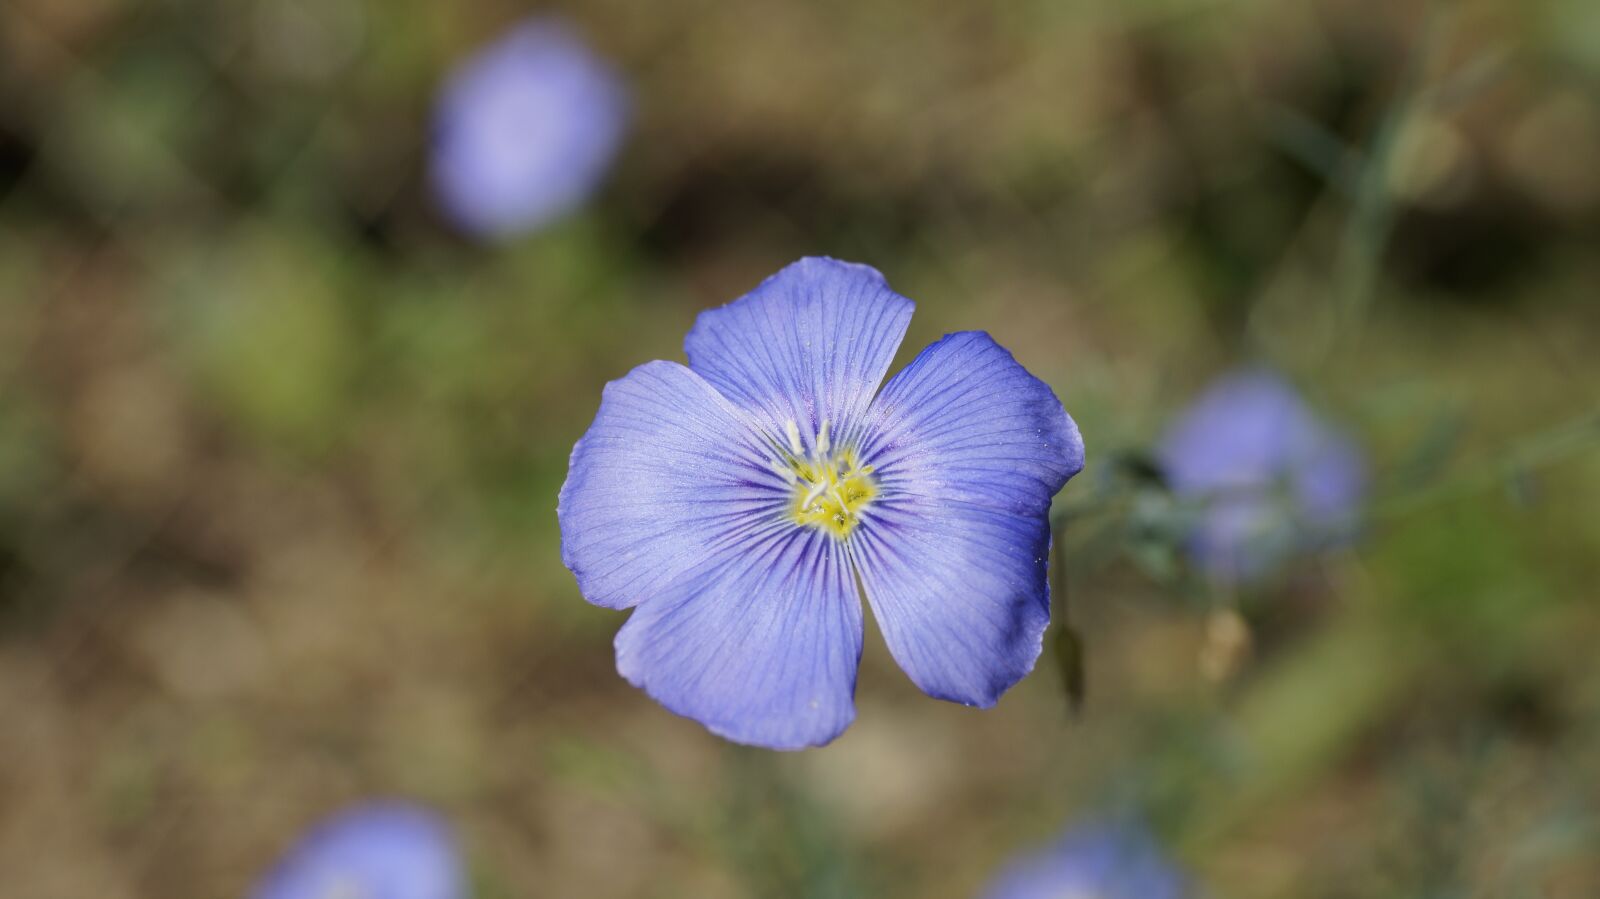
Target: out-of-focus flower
pixel 526 130
pixel 1268 477
pixel 1092 862
pixel 387 850
pixel 735 502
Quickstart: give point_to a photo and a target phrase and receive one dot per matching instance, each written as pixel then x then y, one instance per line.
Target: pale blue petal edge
pixel 811 343
pixel 668 475
pixel 761 646
pixel 969 448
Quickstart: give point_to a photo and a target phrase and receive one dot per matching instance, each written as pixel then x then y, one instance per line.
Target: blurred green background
pixel 279 450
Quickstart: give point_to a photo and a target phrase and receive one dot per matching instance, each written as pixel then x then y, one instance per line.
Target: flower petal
pixel 526 130
pixel 1266 475
pixel 388 849
pixel 668 473
pixel 968 449
pixel 810 344
pixel 761 647
pixel 1329 482
pixel 1111 860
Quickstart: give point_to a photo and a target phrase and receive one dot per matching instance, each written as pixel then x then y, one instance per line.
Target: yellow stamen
pixel 831 489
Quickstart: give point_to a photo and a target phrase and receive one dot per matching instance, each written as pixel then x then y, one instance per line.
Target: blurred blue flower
pixel 1270 478
pixel 1092 862
pixel 525 130
pixel 386 850
pixel 735 502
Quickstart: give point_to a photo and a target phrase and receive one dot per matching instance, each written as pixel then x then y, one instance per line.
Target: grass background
pixel 279 451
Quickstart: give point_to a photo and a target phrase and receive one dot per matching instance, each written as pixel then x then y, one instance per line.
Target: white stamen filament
pixel 813 493
pixel 783 471
pixel 830 491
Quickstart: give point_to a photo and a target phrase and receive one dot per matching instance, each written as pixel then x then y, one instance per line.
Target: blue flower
pixel 526 130
pixel 1270 478
pixel 384 850
pixel 736 502
pixel 1093 862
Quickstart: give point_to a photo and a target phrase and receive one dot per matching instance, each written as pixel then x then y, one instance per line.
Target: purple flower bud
pixel 387 850
pixel 1094 862
pixel 526 130
pixel 1268 476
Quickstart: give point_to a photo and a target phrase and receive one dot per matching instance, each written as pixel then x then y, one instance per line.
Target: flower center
pixel 831 486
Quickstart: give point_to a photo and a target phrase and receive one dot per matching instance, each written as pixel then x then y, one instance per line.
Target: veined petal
pixel 668 474
pixel 960 594
pixel 968 449
pixel 966 421
pixel 761 647
pixel 810 344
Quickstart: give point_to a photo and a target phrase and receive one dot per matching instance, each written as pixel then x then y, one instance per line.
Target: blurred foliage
pixel 279 451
